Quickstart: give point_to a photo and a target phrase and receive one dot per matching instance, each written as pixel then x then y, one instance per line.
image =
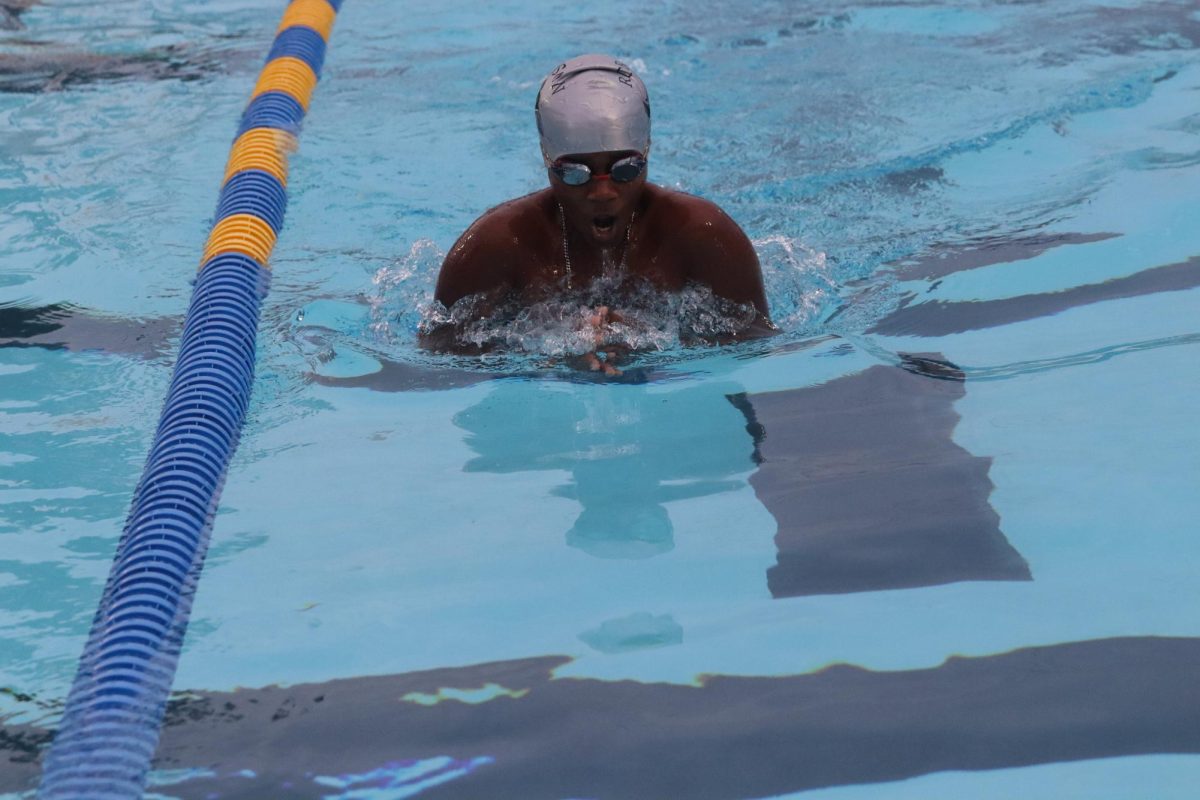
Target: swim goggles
pixel 623 171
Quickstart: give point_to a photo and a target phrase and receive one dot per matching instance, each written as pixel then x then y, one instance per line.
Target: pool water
pixel 934 540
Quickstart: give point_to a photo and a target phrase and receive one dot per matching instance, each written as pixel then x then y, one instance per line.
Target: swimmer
pixel 599 216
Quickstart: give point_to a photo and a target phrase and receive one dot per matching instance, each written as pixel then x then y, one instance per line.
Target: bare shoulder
pixel 718 252
pixel 496 228
pixel 692 218
pixel 697 207
pixel 487 253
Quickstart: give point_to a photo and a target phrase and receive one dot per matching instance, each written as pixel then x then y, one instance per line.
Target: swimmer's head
pixel 592 104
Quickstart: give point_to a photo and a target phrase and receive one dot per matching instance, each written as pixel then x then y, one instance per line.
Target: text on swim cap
pixel 558 80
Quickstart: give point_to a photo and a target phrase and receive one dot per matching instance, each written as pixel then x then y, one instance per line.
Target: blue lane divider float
pixel 255 192
pixel 273 110
pixel 110 726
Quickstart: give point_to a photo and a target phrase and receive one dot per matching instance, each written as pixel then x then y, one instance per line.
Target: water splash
pixel 799 284
pixel 403 290
pixel 643 319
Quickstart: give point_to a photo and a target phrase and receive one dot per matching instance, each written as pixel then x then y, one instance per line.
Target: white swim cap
pixel 592 104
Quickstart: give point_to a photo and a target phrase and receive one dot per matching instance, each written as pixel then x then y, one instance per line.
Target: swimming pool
pixel 932 542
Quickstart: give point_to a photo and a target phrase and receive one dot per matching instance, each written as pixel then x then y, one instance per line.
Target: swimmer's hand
pixel 602 357
pixel 602 361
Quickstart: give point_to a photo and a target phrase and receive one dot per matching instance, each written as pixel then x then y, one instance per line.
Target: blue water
pixel 365 532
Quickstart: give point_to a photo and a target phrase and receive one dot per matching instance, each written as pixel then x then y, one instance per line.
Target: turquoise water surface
pixel 818 566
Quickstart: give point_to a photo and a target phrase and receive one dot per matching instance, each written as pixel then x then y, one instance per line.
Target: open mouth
pixel 604 224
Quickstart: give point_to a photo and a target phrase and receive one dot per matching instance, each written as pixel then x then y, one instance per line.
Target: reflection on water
pixel 624 449
pixel 862 475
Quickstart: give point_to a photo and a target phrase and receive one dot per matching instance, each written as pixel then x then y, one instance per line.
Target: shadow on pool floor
pixel 47 67
pixel 11 11
pixel 62 326
pixel 942 317
pixel 65 327
pixel 868 487
pixel 945 260
pixel 541 738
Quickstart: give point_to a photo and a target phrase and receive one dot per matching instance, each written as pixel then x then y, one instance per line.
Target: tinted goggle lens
pixel 627 169
pixel 622 171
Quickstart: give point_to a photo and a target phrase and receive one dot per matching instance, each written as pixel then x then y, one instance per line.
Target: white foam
pixel 798 281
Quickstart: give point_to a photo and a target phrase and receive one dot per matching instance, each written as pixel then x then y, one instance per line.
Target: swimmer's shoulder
pixel 714 248
pixel 504 227
pixel 688 215
pixel 493 249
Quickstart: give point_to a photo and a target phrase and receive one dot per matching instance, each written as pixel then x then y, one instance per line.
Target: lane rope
pixel 113 714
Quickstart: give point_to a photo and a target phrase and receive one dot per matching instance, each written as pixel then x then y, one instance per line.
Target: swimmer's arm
pixel 722 258
pixel 478 262
pixel 475 265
